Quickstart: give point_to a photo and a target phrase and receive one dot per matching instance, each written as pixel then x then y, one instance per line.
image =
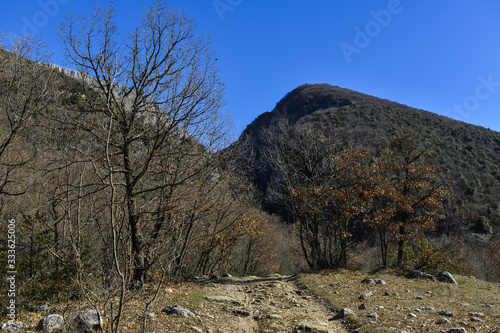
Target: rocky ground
pixel 339 301
pixel 271 304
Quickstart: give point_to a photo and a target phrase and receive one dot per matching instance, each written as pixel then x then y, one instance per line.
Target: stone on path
pixel 178 310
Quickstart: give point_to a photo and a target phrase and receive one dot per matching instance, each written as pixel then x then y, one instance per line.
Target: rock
pixel 227 275
pixel 489 306
pixel 274 317
pixel 41 307
pixel 458 330
pixel 313 326
pixel 412 315
pixel 362 307
pixel 13 326
pixel 336 285
pixel 415 274
pixel 387 293
pixel 344 313
pixel 446 277
pixel 51 322
pixel 476 319
pixel 446 313
pixel 177 310
pixel 366 295
pixel 374 281
pixel 215 277
pixel 419 297
pixel 373 315
pixel 442 321
pixel 242 313
pixel 88 321
pixel 476 314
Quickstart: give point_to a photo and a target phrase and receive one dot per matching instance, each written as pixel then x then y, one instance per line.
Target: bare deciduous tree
pixel 161 90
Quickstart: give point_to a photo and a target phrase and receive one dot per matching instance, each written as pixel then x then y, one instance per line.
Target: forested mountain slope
pixel 467 157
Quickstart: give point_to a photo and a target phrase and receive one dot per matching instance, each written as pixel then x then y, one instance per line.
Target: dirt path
pixel 271 304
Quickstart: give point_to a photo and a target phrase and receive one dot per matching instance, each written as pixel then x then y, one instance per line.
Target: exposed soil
pixel 271 304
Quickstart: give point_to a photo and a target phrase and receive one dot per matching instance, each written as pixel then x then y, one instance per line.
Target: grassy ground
pixel 424 299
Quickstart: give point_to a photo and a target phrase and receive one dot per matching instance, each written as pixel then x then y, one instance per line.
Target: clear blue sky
pixel 441 56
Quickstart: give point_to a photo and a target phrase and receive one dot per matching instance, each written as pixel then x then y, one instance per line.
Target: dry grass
pixel 423 298
pixel 184 294
pixel 468 296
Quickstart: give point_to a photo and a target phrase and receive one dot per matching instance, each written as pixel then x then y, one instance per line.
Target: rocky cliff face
pixel 69 72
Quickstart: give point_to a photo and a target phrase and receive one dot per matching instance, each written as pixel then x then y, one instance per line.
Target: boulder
pixel 88 321
pixel 13 326
pixel 366 295
pixel 442 321
pixel 177 310
pixel 344 313
pixel 415 274
pixel 446 313
pixel 374 281
pixel 446 277
pixel 458 330
pixel 51 322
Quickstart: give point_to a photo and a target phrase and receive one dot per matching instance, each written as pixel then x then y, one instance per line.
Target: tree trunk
pixel 401 244
pixel 383 247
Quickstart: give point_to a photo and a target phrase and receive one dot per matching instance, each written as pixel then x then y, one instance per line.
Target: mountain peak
pixel 309 98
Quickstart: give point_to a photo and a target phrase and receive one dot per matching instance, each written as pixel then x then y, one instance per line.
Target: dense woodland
pixel 125 178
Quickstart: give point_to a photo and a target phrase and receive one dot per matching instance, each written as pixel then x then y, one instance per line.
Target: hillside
pixel 466 156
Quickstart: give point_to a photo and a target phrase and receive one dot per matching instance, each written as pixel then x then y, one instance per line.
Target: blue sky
pixel 441 56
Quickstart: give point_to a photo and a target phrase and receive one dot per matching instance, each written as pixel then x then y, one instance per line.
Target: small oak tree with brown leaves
pixel 411 192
